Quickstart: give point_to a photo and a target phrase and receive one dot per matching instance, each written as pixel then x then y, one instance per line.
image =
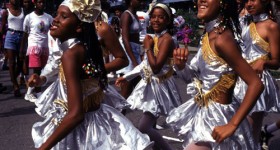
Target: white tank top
pixel 15 22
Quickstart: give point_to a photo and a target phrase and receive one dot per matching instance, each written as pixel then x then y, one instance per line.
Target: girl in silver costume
pixel 213 119
pixel 156 93
pixel 74 116
pixel 261 40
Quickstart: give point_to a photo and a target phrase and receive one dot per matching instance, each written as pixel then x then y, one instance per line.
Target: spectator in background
pixel 2 53
pixel 14 17
pixel 36 26
pixel 118 10
pixel 2 38
pixel 27 8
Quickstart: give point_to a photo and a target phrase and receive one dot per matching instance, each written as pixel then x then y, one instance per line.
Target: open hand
pixel 180 56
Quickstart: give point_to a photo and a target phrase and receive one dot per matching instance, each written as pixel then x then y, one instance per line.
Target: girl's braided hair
pixel 94 52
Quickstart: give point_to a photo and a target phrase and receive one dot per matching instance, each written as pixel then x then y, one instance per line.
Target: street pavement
pixel 18 115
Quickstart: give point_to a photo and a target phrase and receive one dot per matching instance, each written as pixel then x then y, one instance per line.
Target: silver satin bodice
pixel 195 120
pixel 206 66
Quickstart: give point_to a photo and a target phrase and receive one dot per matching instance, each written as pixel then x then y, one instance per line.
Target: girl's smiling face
pixel 208 9
pixel 65 25
pixel 159 20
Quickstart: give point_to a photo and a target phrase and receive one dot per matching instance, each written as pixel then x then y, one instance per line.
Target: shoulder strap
pixel 130 14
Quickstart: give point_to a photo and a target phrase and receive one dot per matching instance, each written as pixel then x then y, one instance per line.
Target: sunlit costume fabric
pixel 155 93
pixel 256 48
pixel 104 128
pixel 50 71
pixel 195 120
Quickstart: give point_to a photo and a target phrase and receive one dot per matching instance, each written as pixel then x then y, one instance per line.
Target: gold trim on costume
pixel 257 39
pixel 61 74
pixel 159 78
pixel 263 57
pixel 226 82
pixel 156 50
pixel 92 100
pixel 208 54
pixel 165 76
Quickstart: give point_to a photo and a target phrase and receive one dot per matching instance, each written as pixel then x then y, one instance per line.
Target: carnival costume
pixel 155 93
pixel 103 127
pixel 255 48
pixel 195 120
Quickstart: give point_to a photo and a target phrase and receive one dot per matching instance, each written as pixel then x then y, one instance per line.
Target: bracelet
pixel 147 49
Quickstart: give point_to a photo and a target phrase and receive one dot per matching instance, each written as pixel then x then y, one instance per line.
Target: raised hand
pixel 180 56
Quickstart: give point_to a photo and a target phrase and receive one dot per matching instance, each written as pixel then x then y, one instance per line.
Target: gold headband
pixel 165 8
pixel 86 10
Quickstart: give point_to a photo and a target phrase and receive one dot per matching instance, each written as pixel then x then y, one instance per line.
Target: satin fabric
pixel 103 129
pixel 50 71
pixel 193 123
pixel 150 94
pixel 269 100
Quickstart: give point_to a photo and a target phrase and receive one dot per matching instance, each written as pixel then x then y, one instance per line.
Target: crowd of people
pixel 228 79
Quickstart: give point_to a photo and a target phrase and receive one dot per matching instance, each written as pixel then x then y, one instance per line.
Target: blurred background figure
pixel 4 57
pixel 36 26
pixel 28 7
pixel 14 17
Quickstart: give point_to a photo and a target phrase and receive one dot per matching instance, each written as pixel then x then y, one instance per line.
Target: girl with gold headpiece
pixel 74 117
pixel 156 93
pixel 261 36
pixel 213 119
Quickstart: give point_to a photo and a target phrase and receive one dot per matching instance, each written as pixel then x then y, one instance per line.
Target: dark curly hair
pixel 229 10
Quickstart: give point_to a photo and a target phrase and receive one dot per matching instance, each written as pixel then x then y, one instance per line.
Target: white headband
pixel 86 10
pixel 165 8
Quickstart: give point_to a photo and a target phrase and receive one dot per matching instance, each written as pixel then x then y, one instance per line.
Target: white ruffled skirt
pixel 194 124
pixel 114 99
pixel 103 129
pixel 154 97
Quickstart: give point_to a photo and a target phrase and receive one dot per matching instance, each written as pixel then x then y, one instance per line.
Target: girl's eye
pixel 64 16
